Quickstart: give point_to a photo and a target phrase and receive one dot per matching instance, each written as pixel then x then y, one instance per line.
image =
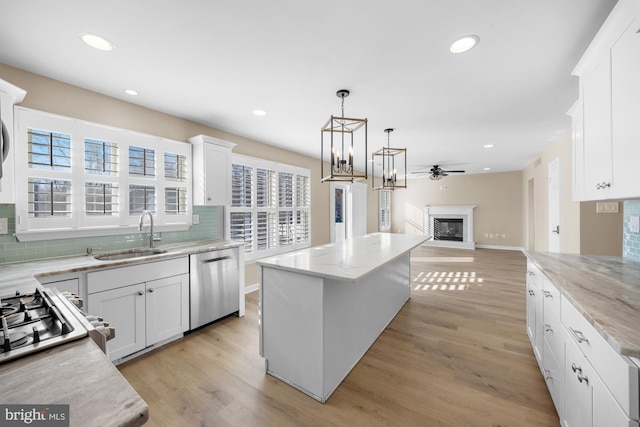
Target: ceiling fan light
pixel 464 44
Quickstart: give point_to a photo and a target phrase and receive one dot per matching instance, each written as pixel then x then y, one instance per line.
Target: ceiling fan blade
pixel 458 171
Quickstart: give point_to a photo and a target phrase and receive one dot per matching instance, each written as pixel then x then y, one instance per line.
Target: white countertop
pixel 22 275
pixel 349 260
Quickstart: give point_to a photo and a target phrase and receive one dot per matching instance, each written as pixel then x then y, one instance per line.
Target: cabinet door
pixel 124 310
pixel 217 161
pixel 531 313
pixel 578 390
pixel 167 308
pixel 625 99
pixel 68 285
pixel 596 97
pixel 606 411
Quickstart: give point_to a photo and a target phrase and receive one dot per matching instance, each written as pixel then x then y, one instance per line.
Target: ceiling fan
pixel 436 172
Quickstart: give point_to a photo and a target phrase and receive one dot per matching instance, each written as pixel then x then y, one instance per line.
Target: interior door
pixel 348 210
pixel 554 205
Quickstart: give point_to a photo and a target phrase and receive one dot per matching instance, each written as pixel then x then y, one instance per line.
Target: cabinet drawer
pixel 554 334
pixel 534 275
pixel 114 278
pixel 554 376
pixel 551 297
pixel 617 372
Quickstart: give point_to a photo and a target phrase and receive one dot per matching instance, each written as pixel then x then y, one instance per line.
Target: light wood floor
pixel 457 354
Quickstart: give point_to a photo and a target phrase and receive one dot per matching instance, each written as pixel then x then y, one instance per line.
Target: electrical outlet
pixel 607 207
pixel 634 224
pixel 4 225
pixel 196 219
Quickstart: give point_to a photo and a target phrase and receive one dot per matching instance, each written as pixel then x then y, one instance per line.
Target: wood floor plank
pixel 456 354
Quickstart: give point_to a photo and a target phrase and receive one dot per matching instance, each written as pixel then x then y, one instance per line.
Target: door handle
pixel 222 258
pixel 556 230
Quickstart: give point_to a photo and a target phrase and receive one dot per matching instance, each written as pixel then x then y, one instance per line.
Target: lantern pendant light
pixel 343 136
pixel 387 157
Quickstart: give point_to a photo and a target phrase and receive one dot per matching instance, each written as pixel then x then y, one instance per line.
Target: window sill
pixel 30 236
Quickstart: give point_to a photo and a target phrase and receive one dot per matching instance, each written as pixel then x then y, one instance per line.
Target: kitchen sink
pixel 130 253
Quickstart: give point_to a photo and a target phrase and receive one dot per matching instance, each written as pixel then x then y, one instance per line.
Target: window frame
pixel 254 252
pixel 79 223
pixel 384 206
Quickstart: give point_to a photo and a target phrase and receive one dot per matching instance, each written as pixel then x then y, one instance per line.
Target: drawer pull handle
pixel 575 368
pixel 578 335
pixel 220 258
pixel 547 375
pixel 547 328
pixel 548 294
pixel 583 377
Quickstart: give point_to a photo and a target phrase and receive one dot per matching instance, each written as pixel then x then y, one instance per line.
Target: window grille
pixel 241 229
pixel 175 201
pixel 100 157
pixel 141 198
pixel 175 167
pixel 142 162
pixel 49 197
pixel 101 198
pixel 49 150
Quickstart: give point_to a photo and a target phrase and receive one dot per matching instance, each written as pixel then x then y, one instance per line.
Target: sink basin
pixel 130 253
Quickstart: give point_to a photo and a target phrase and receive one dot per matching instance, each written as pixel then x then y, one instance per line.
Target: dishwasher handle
pixel 221 258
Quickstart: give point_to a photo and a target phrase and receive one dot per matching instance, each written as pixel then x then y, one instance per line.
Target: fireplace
pixel 449 226
pixel 448 229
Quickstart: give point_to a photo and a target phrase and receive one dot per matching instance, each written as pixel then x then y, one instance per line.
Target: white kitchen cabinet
pixel 535 321
pixel 590 383
pixel 63 283
pixel 605 126
pixel 554 342
pixel 147 304
pixel 124 310
pixel 579 391
pixel 625 99
pixel 588 401
pixel 596 98
pixel 211 171
pixel 9 96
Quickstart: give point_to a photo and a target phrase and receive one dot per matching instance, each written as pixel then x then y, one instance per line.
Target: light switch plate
pixel 634 224
pixel 4 225
pixel 196 219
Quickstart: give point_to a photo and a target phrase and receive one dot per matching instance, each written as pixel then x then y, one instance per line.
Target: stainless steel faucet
pixel 151 238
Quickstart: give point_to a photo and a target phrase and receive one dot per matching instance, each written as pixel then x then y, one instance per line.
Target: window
pixel 270 210
pixel 85 179
pixel 384 216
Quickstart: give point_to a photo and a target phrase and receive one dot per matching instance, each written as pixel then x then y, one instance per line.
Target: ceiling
pixel 215 61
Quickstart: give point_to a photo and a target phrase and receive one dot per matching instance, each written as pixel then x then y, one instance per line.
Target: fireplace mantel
pixel 464 212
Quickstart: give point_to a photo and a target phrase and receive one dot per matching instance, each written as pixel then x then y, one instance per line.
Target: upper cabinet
pixel 605 126
pixel 9 96
pixel 625 110
pixel 211 171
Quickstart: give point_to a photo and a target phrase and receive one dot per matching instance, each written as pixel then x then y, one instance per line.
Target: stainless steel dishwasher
pixel 215 286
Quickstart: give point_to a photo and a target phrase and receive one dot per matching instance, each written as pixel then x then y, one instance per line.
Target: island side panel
pixel 291 328
pixel 355 314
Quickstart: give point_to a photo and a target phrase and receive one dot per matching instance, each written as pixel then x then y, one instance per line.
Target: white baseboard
pixel 251 288
pixel 502 248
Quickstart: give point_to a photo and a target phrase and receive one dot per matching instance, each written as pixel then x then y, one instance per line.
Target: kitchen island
pixel 322 308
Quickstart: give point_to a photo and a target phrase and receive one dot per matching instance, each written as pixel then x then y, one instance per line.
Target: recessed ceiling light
pixel 488 146
pixel 130 92
pixel 259 113
pixel 464 44
pixel 96 41
pixel 486 169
